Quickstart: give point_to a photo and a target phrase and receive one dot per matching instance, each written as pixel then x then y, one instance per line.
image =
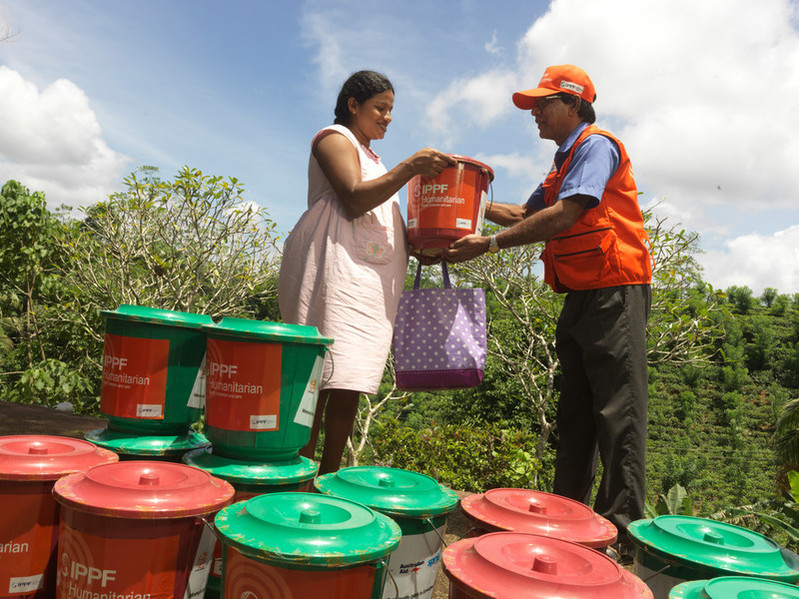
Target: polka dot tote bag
pixel 440 337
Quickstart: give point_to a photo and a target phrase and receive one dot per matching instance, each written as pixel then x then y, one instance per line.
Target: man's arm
pixel 539 226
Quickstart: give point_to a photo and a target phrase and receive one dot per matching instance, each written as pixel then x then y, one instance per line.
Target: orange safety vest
pixel 608 245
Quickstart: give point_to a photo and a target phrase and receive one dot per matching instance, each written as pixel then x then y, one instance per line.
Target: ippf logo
pixel 114 362
pixel 429 189
pixel 82 573
pixel 219 370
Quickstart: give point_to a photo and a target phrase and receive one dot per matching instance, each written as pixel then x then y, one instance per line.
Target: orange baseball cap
pixel 562 78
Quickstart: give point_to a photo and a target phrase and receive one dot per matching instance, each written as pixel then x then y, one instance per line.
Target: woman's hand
pixel 426 259
pixel 429 162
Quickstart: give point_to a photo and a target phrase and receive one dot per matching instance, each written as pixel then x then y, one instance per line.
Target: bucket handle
pixel 209 525
pixel 391 576
pixel 651 576
pixel 435 530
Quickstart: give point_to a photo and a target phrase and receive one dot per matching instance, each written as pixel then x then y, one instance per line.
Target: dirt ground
pixel 17 419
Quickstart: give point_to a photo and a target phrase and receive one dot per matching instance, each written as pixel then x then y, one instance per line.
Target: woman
pixel 344 263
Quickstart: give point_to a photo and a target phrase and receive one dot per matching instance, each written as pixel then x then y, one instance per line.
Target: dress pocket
pixel 374 242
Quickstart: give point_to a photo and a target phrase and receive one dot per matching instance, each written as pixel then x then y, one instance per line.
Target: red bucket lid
pixel 536 512
pixel 514 565
pixel 477 163
pixel 47 457
pixel 145 490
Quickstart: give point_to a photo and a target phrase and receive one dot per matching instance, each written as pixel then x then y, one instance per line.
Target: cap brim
pixel 527 99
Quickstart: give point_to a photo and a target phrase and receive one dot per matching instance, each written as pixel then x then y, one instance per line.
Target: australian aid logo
pixel 134 377
pixel 243 385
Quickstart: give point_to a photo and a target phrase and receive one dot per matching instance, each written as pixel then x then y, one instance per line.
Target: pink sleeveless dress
pixel 345 275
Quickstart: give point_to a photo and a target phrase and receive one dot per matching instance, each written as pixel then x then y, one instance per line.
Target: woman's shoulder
pixel 324 132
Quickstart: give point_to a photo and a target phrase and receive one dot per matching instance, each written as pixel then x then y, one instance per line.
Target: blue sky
pixel 702 94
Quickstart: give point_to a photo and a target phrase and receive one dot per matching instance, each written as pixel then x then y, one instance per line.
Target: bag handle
pixel 444 272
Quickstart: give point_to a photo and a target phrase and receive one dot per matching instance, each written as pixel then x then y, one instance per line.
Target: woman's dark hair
pixel 361 86
pixel 585 110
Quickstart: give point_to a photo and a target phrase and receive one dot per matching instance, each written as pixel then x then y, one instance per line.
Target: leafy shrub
pixel 461 458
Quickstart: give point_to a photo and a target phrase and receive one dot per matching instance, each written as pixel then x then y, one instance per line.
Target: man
pixel 597 253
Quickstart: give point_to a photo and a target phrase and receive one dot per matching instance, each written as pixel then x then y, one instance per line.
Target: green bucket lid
pixel 158 316
pixel 263 330
pixel 734 587
pixel 146 445
pixel 719 547
pixel 390 490
pixel 241 472
pixel 307 530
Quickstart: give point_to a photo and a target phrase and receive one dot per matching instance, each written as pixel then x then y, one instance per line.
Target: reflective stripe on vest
pixel 608 245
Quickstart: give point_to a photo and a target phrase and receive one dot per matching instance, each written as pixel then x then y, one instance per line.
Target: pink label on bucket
pixel 27 541
pixel 246 578
pixel 243 385
pixel 134 375
pixel 95 566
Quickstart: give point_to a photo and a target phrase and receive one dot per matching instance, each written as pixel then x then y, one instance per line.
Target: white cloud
pixel 492 47
pixel 700 90
pixel 52 142
pixel 756 261
pixel 479 100
pixel 701 94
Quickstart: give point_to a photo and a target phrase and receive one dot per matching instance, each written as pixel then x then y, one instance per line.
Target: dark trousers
pixel 601 345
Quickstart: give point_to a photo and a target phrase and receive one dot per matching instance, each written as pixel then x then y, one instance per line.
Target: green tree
pixel 769 296
pixel 35 359
pixel 741 299
pixel 192 244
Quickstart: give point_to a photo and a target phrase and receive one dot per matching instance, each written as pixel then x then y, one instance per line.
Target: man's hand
pixel 466 248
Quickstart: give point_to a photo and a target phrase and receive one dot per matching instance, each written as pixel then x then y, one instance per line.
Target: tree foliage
pixel 191 244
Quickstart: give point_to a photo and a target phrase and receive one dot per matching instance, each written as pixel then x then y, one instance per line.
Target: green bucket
pixel 152 370
pixel 739 587
pixel 250 479
pixel 263 380
pixel 670 550
pixel 417 503
pixel 305 546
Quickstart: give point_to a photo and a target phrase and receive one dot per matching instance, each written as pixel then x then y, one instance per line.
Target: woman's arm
pixel 338 159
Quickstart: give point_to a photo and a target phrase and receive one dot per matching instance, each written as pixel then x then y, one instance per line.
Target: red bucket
pixel 29 467
pixel 537 512
pixel 447 207
pixel 137 529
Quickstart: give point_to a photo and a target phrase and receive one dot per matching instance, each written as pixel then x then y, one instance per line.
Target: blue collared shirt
pixel 594 162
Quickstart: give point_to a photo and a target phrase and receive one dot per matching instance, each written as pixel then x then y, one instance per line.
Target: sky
pixel 703 95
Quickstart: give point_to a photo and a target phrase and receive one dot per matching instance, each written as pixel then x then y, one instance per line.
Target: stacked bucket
pixel 30 465
pixel 684 557
pixel 257 382
pixel 528 544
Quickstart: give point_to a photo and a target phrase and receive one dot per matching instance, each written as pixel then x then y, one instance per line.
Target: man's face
pixel 555 118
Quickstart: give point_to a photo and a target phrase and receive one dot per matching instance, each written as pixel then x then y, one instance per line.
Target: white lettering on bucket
pixel 435 188
pixel 14 547
pixel 220 369
pixel 77 571
pixel 114 362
